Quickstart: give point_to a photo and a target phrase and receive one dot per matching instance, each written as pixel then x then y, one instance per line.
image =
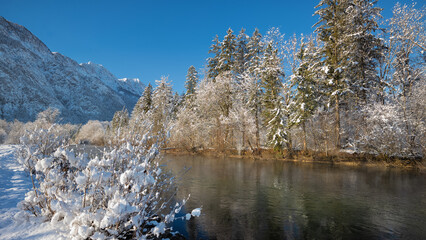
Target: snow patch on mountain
pixel 32 78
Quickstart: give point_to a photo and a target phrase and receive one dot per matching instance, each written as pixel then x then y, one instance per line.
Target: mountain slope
pixel 32 78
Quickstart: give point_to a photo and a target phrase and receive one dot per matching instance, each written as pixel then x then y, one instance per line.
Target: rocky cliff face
pixel 32 78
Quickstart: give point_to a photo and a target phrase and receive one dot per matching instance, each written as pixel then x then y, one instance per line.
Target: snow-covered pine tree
pixel 147 98
pixel 177 102
pixel 255 52
pixel 241 51
pixel 120 120
pixel 255 48
pixel 227 53
pixel 143 104
pixel 162 107
pixel 286 51
pixel 283 46
pixel 363 48
pixel 191 83
pixel 271 75
pixel 213 62
pixel 305 82
pixel 331 29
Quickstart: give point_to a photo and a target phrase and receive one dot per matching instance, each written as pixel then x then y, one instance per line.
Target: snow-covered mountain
pixel 32 78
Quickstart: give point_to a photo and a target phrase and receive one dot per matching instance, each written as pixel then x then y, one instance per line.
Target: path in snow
pixel 14 183
pixel 13 180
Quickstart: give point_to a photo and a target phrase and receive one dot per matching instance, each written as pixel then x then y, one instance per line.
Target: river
pixel 248 199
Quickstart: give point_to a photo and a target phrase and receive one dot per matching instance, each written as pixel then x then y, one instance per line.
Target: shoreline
pixel 341 158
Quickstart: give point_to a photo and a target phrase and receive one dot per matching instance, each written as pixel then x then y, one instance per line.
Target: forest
pixel 356 84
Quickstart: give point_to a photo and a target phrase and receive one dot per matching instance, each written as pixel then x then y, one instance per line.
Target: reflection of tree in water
pixel 244 199
pixel 332 218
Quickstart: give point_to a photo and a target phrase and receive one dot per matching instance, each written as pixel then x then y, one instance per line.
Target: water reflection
pixel 246 199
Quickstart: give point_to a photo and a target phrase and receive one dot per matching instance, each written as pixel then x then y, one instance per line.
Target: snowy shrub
pixel 47 117
pixel 45 120
pixel 385 130
pixel 184 133
pixel 16 131
pixel 123 195
pixel 93 132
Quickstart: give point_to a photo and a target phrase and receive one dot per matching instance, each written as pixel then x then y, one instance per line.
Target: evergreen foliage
pixel 227 53
pixel 213 62
pixel 255 48
pixel 272 100
pixel 363 49
pixel 144 103
pixel 191 82
pixel 331 30
pixel 162 107
pixel 241 52
pixel 120 120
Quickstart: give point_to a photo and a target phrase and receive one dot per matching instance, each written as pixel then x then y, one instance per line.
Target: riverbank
pixel 338 158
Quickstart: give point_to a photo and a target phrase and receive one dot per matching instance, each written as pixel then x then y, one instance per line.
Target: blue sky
pixel 152 38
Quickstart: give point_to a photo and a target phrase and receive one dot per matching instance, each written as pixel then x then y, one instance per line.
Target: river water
pixel 248 199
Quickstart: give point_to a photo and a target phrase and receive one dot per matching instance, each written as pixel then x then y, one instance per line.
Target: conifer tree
pixel 331 29
pixel 120 120
pixel 227 53
pixel 213 62
pixel 177 102
pixel 147 98
pixel 255 52
pixel 274 121
pixel 144 103
pixel 304 81
pixel 191 83
pixel 162 107
pixel 363 48
pixel 241 51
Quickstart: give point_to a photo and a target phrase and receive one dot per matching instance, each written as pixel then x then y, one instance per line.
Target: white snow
pixel 196 212
pixel 159 229
pixel 38 78
pixel 14 183
pixel 70 219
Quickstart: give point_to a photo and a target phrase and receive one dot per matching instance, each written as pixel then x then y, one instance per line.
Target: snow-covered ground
pixel 14 183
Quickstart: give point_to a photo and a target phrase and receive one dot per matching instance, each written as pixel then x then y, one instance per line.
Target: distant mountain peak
pixel 32 78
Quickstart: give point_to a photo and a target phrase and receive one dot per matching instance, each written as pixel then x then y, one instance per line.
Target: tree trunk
pixel 305 147
pixel 337 126
pixel 257 131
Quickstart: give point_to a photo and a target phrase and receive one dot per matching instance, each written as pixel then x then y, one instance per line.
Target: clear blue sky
pixel 150 38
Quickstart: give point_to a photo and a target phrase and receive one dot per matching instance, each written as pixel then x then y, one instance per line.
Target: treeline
pixel 357 83
pixel 353 84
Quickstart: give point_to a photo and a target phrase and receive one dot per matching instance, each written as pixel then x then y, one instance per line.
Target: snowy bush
pixel 385 130
pixel 16 131
pixel 93 132
pixel 125 194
